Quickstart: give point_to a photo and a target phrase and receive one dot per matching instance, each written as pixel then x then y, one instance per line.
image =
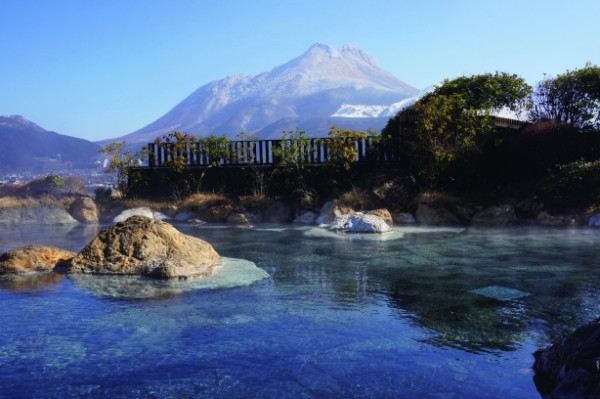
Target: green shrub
pixel 576 184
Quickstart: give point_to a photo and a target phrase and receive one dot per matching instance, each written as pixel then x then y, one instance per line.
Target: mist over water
pixel 424 313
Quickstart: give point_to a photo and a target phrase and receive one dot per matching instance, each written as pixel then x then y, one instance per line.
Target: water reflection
pixel 30 283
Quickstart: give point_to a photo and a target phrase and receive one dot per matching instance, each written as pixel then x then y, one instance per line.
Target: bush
pixel 576 184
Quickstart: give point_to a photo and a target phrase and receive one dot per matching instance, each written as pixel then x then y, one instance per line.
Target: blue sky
pixel 100 69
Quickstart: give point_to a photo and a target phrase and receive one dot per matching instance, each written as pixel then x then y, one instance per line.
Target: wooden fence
pixel 315 151
pixel 265 152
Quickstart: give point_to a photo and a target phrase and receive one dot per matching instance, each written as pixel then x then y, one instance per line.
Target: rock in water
pixel 331 209
pixel 140 211
pixel 145 246
pixel 84 210
pixel 500 215
pixel 570 368
pixel 33 258
pixel 358 223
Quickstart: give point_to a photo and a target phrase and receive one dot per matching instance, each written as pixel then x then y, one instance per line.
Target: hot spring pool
pixel 426 313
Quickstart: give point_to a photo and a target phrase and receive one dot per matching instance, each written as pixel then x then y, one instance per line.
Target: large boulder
pixel 500 215
pixel 84 210
pixel 435 215
pixel 331 209
pixel 144 246
pixel 545 219
pixel 570 368
pixel 384 214
pixel 140 211
pixel 33 258
pixel 358 223
pixel 36 215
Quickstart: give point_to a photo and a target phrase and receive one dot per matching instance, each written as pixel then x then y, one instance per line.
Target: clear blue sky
pixel 102 68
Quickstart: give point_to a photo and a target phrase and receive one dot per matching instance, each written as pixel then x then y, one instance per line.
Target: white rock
pixel 594 220
pixel 141 211
pixel 358 223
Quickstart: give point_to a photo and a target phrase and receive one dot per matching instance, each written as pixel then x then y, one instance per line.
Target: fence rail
pixel 265 152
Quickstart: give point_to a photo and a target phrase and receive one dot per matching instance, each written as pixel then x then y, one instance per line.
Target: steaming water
pixel 426 313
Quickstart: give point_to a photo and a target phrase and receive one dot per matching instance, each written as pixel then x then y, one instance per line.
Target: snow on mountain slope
pixel 313 85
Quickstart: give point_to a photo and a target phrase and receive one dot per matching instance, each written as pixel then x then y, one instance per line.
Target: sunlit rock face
pixel 571 368
pixel 36 215
pixel 144 246
pixel 84 209
pixel 33 258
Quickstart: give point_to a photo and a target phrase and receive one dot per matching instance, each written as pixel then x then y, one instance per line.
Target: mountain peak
pixel 19 120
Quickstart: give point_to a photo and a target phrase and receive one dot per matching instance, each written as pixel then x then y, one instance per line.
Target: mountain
pixel 26 146
pixel 305 92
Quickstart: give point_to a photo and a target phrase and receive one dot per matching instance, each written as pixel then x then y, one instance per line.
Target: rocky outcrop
pixel 278 212
pixel 239 216
pixel 144 246
pixel 500 215
pixel 594 220
pixel 140 211
pixel 383 214
pixel 33 258
pixel 331 209
pixel 36 215
pixel 403 218
pixel 84 210
pixel 435 215
pixel 306 217
pixel 529 208
pixel 545 219
pixel 570 368
pixel 358 223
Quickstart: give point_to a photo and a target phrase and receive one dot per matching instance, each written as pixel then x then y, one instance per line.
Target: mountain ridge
pixel 311 86
pixel 28 146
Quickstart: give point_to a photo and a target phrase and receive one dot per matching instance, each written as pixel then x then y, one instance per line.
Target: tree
pixel 453 120
pixel 572 97
pixel 121 162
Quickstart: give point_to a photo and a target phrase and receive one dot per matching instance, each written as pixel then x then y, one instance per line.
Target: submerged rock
pixel 232 273
pixel 358 223
pixel 140 211
pixel 144 246
pixel 33 258
pixel 570 368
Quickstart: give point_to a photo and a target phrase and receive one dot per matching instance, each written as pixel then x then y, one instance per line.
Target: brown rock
pixel 404 218
pixel 216 213
pixel 383 214
pixel 145 246
pixel 500 215
pixel 331 209
pixel 435 215
pixel 84 210
pixel 33 258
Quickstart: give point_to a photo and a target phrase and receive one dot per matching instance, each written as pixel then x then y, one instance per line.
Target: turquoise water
pixel 425 313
